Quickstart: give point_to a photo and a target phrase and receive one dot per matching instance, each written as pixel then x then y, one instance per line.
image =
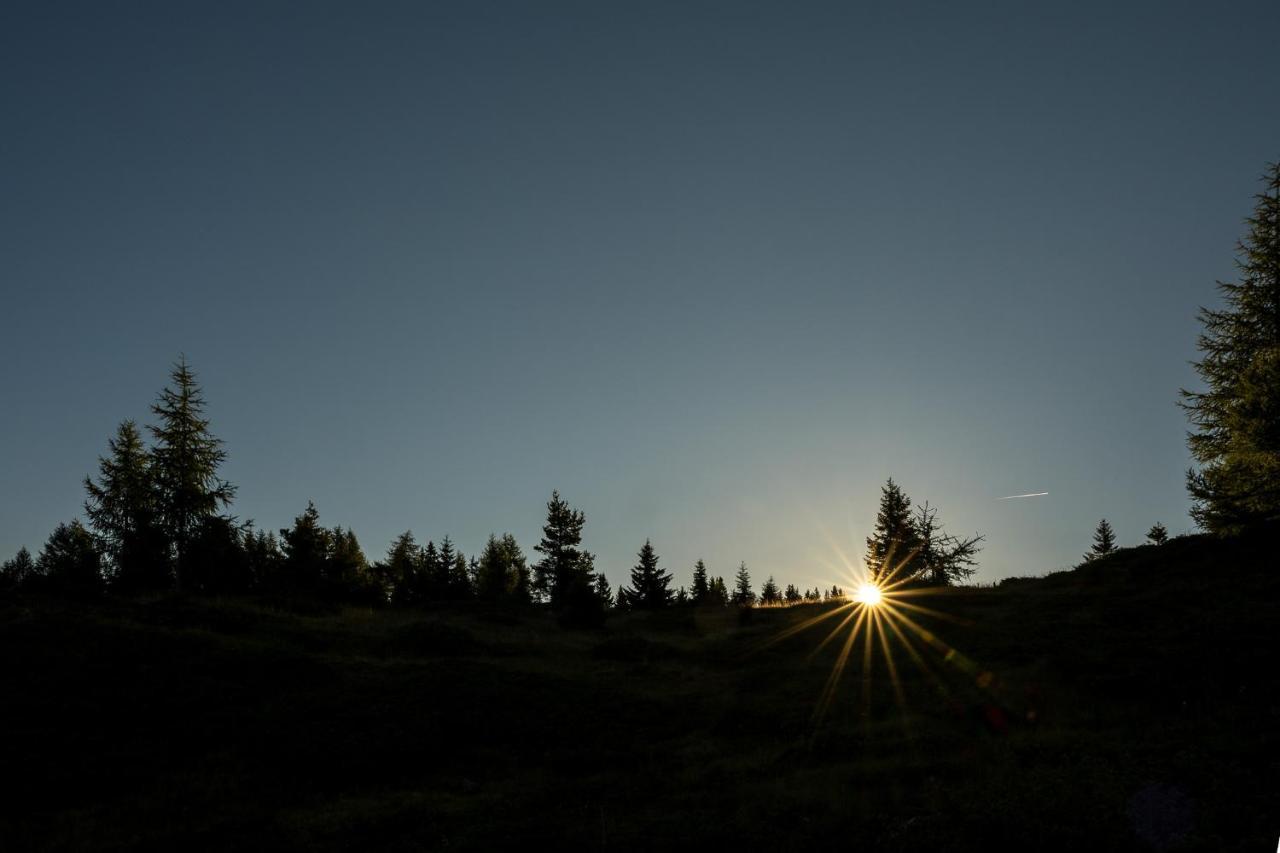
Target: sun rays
pixel 877 631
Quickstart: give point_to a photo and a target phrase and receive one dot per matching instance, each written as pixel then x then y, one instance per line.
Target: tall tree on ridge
pixel 942 559
pixel 769 593
pixel 185 463
pixel 1158 534
pixel 563 564
pixel 1236 419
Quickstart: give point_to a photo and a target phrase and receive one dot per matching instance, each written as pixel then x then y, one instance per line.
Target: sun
pixel 868 594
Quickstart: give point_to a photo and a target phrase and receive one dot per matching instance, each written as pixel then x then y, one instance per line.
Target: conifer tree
pixel 16 571
pixel 718 592
pixel 604 590
pixel 185 461
pixel 1236 419
pixel 792 595
pixel 701 586
pixel 893 547
pixel 1104 541
pixel 1158 534
pixel 743 595
pixel 650 585
pixel 769 593
pixel 402 570
pixel 563 564
pixel 306 548
pixel 69 561
pixel 502 574
pixel 121 508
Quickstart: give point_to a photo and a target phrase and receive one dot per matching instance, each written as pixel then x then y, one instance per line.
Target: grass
pixel 1130 704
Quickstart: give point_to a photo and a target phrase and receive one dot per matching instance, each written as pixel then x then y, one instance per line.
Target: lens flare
pixel 868 594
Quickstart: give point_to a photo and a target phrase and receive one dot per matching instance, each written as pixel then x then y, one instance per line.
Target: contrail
pixel 1028 495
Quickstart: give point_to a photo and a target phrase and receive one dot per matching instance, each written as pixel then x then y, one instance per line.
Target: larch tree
pixel 185 461
pixel 123 514
pixel 1235 419
pixel 942 559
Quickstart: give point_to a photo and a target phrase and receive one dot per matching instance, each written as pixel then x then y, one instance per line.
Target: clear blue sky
pixel 714 271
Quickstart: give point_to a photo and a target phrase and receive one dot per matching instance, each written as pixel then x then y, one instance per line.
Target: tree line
pixel 157 521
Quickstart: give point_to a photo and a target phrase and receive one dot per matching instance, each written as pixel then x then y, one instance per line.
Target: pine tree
pixel 742 593
pixel 1104 541
pixel 893 548
pixel 563 564
pixel 121 508
pixel 942 559
pixel 185 462
pixel 1236 419
pixel 769 593
pixel 701 586
pixel 440 576
pixel 1158 534
pixel 793 594
pixel 402 570
pixel 650 585
pixel 718 592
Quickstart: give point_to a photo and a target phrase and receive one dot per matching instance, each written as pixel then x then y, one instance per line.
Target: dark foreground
pixel 1134 704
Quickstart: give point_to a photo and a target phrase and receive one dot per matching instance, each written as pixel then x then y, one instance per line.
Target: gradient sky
pixel 714 271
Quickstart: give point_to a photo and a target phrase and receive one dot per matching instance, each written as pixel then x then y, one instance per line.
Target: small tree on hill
pixel 769 593
pixel 701 585
pixel 502 574
pixel 792 595
pixel 650 585
pixel 1104 541
pixel 1158 534
pixel 1236 419
pixel 718 592
pixel 15 572
pixel 743 594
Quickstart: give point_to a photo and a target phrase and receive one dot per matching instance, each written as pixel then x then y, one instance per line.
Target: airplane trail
pixel 1028 495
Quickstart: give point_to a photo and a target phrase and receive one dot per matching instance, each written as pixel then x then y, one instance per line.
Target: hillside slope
pixel 1133 703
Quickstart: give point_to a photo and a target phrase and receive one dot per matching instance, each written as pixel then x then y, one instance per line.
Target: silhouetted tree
pixel 1236 419
pixel 402 570
pixel 743 595
pixel 1158 534
pixel 217 563
pixel 563 563
pixel 718 592
pixel 262 557
pixel 942 559
pixel 16 571
pixel 769 593
pixel 701 585
pixel 893 547
pixel 792 595
pixel 69 562
pixel 185 461
pixel 604 591
pixel 650 585
pixel 122 512
pixel 306 548
pixel 347 574
pixel 1104 541
pixel 682 596
pixel 502 574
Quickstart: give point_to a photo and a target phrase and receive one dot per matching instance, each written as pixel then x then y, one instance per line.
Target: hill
pixel 1129 704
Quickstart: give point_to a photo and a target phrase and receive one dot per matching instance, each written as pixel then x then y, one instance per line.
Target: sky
pixel 713 270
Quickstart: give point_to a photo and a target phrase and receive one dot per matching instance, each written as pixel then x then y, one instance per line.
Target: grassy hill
pixel 1130 704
